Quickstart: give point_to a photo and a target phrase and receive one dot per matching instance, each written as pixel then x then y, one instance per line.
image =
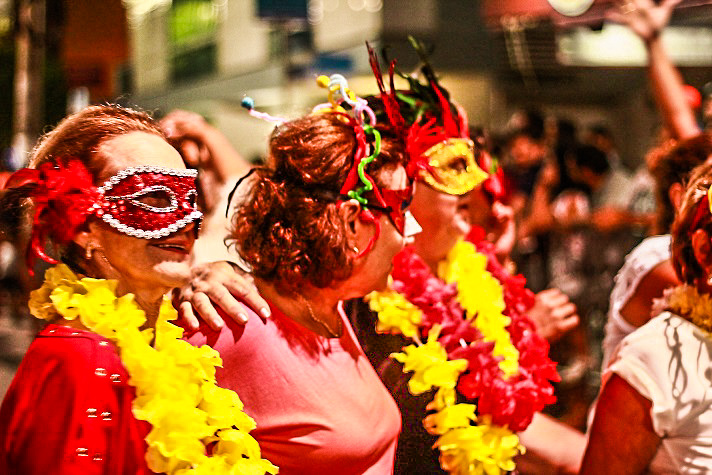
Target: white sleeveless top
pixel 668 361
pixel 641 260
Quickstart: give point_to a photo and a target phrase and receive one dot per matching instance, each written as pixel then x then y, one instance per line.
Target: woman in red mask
pixel 108 386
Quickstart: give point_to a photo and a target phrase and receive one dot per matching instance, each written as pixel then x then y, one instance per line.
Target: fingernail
pixel 242 317
pixel 264 311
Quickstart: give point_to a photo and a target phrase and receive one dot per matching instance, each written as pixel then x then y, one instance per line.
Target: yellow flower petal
pixel 395 313
pixel 452 417
pixel 482 297
pixel 479 449
pixel 430 365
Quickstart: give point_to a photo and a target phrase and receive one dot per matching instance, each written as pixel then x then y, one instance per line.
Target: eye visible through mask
pixel 452 167
pixel 149 202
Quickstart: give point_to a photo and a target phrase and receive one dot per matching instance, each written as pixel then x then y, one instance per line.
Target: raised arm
pixel 221 157
pixel 647 20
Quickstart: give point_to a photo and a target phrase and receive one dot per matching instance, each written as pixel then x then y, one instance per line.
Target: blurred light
pixel 315 12
pixel 373 6
pixel 571 7
pixel 331 5
pixel 5 25
pixel 77 99
pixel 137 9
pixel 206 12
pixel 357 5
pixel 616 45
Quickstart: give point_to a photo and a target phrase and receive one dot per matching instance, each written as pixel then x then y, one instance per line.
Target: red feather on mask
pixel 63 196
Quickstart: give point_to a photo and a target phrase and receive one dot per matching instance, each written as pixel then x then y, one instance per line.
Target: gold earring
pixel 89 250
pixel 356 249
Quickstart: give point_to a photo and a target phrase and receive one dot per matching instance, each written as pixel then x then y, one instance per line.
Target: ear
pixel 675 195
pixel 82 238
pixel 358 232
pixel 702 249
pixel 86 236
pixel 349 211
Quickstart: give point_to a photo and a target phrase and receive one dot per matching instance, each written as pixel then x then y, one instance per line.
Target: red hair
pixel 77 137
pixel 288 228
pixel 80 135
pixel 693 213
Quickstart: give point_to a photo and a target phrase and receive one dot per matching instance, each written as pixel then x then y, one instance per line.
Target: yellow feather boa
pixel 175 381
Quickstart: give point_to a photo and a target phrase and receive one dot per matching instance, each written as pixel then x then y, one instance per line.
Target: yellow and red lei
pixel 479 343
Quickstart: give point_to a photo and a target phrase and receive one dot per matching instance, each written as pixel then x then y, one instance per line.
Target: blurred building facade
pixel 495 56
pixel 206 55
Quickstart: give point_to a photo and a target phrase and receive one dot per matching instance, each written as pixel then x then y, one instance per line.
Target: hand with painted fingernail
pixel 214 288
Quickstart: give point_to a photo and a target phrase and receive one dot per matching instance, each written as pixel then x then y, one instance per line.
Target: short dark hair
pixel 591 158
pixel 601 130
pixel 674 166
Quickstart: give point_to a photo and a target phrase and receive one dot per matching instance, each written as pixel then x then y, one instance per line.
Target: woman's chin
pixel 173 273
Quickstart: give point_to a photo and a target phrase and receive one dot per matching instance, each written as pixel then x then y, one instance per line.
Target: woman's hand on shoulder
pixel 214 287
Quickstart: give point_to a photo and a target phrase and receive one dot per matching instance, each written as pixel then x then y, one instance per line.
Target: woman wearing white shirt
pixel 655 411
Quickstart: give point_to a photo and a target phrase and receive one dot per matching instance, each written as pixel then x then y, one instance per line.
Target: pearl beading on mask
pixel 121 174
pixel 140 233
pixel 109 184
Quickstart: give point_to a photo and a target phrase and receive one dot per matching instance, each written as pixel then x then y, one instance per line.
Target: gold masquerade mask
pixel 452 167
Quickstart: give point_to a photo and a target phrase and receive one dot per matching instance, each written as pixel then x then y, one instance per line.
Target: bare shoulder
pixel 637 310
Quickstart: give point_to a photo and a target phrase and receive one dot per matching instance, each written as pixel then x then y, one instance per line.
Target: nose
pixel 192 230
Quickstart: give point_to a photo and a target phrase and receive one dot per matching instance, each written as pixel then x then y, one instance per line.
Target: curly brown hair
pixel 288 227
pixel 683 258
pixel 673 165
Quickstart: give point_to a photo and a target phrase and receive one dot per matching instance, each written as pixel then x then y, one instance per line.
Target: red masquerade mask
pixel 149 202
pixel 145 202
pixel 395 203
